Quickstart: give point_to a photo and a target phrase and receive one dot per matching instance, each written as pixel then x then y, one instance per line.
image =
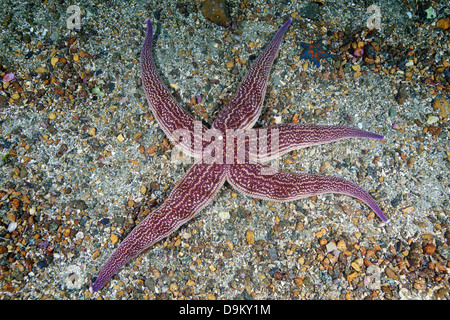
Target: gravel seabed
pixel 85 152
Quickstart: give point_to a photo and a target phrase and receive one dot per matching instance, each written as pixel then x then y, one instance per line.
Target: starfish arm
pixel 192 193
pixel 245 107
pixel 175 121
pixel 260 181
pixel 282 138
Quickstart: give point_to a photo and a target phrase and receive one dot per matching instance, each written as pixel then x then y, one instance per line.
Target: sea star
pixel 314 52
pixel 220 158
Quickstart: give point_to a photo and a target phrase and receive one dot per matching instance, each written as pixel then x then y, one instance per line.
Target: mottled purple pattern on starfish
pixel 203 180
pixel 292 136
pixel 254 181
pixel 191 194
pixel 245 107
pixel 171 117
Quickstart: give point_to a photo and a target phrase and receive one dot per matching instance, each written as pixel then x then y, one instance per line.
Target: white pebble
pixel 224 215
pixel 12 226
pixel 79 235
pixel 331 246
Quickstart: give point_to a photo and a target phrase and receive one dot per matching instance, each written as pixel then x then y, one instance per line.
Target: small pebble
pixel 224 215
pixel 12 226
pixel 429 249
pixel 391 273
pixel 408 210
pixel 356 67
pixel 91 132
pixel 114 238
pixel 431 119
pixel 54 60
pixel 444 24
pixel 411 161
pixel 341 246
pixel 216 11
pixel 8 77
pixel 120 138
pixel 3 102
pixel 331 246
pixel 356 266
pixel 41 70
pixel 250 237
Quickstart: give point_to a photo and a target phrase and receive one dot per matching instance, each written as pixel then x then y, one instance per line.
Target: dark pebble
pixel 447 72
pixel 29 54
pixel 311 11
pixel 3 102
pixel 370 52
pixel 42 264
pixel 372 173
pixel 5 144
pixel 28 185
pixel 78 204
pixel 23 173
pixel 216 11
pixel 325 277
pixel 26 38
pixel 95 144
pixel 402 94
pixel 150 283
pixel 61 150
pixel 111 87
pixel 273 271
pixel 273 254
pixel 396 201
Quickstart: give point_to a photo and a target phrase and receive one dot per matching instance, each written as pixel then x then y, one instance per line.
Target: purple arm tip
pixel 379 213
pixel 286 25
pixel 98 284
pixel 378 136
pixel 149 28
